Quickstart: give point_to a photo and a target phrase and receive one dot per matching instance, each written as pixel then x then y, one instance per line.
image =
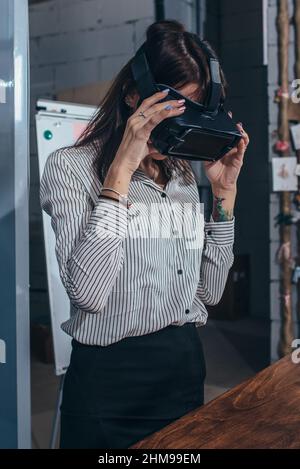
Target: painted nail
pixel 182 108
pixel 180 100
pixel 168 107
pixel 166 90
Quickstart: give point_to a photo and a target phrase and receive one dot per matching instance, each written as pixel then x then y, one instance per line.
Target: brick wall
pixel 73 43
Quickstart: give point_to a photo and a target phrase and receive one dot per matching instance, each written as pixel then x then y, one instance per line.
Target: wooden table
pixel 262 412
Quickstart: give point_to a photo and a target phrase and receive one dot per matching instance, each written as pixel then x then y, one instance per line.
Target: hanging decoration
pixel 296 200
pixel 282 147
pixel 287 219
pixel 284 173
pixel 284 254
pixel 284 219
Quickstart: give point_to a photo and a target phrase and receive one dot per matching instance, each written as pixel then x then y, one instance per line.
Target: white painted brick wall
pixel 182 10
pixel 76 42
pixel 44 19
pixel 73 43
pixel 77 72
pixel 81 45
pixel 139 30
pixel 116 11
pixel 79 15
pixel 110 65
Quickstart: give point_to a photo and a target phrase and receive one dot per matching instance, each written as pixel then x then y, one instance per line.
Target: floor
pixel 234 351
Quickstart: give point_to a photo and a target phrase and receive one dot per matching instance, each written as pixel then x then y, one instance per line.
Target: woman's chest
pixel 157 264
pixel 173 214
pixel 164 240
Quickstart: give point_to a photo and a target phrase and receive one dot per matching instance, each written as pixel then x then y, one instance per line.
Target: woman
pixel 137 361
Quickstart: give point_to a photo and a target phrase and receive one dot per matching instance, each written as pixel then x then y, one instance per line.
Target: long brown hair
pixel 175 59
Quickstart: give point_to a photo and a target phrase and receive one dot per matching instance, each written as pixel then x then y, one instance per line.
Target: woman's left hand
pixel 223 174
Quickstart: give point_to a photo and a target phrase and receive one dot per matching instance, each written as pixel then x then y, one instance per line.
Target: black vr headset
pixel 203 131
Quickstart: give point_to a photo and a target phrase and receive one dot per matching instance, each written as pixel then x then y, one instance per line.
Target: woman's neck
pixel 154 170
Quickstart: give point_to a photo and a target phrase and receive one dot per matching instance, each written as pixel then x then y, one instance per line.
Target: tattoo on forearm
pixel 219 212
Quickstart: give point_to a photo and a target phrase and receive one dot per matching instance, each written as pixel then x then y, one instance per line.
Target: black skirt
pixel 116 395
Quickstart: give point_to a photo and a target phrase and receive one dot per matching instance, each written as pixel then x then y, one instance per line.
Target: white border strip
pixel 265 31
pixel 21 151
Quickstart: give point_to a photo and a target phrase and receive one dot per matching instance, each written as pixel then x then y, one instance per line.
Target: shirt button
pixel 163 194
pixel 209 232
pixel 179 271
pixel 187 311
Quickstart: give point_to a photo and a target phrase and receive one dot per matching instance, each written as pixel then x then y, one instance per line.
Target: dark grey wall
pixel 235 28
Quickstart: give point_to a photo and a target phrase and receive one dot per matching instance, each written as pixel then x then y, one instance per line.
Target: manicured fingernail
pixel 169 107
pixel 180 100
pixel 166 90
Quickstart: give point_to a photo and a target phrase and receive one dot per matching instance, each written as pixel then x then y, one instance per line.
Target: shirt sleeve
pixel 217 259
pixel 89 237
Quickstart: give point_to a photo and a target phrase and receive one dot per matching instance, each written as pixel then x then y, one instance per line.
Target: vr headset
pixel 203 131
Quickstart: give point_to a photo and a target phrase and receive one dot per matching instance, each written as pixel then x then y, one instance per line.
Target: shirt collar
pixel 140 176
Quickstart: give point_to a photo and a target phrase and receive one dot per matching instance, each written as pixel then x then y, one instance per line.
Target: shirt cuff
pixel 110 218
pixel 219 232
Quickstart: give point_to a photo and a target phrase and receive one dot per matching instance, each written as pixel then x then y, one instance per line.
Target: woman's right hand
pixel 133 147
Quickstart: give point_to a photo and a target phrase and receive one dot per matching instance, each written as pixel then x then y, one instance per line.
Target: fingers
pixel 161 111
pixel 157 113
pixel 148 102
pixel 159 117
pixel 245 136
pixel 169 105
pixel 237 153
pixel 239 125
pixel 157 107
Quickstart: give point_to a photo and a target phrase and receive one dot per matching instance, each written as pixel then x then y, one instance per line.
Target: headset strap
pixel 146 83
pixel 142 74
pixel 215 92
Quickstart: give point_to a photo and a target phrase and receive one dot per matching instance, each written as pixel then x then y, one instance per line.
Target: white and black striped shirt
pixel 121 279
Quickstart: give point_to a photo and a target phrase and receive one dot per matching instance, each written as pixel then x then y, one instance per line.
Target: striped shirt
pixel 133 271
